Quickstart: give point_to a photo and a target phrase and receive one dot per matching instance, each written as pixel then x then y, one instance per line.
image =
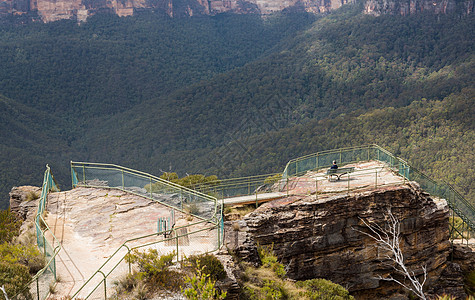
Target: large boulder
pixel 324 237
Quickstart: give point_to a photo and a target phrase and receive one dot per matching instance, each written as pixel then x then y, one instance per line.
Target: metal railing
pixel 457 203
pixel 48 273
pixel 242 186
pixel 207 209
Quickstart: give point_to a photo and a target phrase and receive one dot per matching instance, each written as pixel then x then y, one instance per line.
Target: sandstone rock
pixel 24 201
pixel 322 238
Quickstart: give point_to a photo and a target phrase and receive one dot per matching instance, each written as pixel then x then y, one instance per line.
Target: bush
pixel 9 226
pixel 210 265
pixel 154 269
pixel 14 277
pixel 28 256
pixel 202 287
pixel 269 260
pixel 323 289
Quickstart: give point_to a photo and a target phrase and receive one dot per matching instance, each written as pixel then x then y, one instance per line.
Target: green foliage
pixel 209 264
pixel 321 289
pixel 269 260
pixel 267 282
pixel 14 277
pixel 202 287
pixel 27 255
pixel 271 290
pixel 30 196
pixel 130 286
pixel 273 179
pixel 470 283
pixel 154 269
pixel 9 226
pixel 235 95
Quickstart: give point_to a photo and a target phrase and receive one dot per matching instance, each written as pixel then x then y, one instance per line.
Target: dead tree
pixel 4 292
pixel 388 239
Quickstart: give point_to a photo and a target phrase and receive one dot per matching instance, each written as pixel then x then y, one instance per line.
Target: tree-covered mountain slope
pixel 346 63
pixel 238 95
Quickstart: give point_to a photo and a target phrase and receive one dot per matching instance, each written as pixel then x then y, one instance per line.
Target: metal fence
pixel 208 230
pixel 242 186
pixel 38 287
pixel 457 203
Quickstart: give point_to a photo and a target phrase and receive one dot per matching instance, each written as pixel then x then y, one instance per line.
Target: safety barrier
pixel 207 209
pixel 457 203
pixel 47 275
pixel 242 186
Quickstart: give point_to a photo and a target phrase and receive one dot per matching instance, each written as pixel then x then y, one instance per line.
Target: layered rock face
pixel 323 238
pixel 407 7
pixel 52 10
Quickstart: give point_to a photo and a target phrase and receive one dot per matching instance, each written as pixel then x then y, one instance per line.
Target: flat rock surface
pixel 91 224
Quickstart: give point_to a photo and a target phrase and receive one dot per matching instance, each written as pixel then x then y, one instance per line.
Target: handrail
pixel 215 220
pixel 176 237
pixel 49 184
pixel 405 170
pixel 101 166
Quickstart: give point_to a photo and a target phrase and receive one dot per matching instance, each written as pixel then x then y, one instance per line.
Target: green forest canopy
pixel 155 93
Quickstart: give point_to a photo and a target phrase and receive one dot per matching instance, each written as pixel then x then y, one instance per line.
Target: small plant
pixel 211 266
pixel 323 290
pixel 30 196
pixel 52 288
pixel 470 283
pixel 273 179
pixel 202 287
pixel 192 209
pixel 269 260
pixel 154 269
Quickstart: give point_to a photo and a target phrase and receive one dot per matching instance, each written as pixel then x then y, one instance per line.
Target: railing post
pixel 176 239
pixel 84 174
pixel 316 189
pixel 37 288
pixel 123 187
pixel 348 183
pixel 376 179
pixel 287 186
pixel 105 289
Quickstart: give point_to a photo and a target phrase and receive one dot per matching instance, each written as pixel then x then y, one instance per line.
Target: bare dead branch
pixel 389 239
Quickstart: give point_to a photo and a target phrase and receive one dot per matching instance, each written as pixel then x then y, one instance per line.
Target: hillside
pixel 237 95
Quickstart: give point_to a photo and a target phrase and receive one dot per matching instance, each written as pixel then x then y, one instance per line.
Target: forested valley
pixel 235 95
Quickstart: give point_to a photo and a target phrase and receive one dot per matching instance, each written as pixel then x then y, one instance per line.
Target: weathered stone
pixel 323 238
pixel 24 201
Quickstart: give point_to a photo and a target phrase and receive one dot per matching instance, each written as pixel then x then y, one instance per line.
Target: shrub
pixel 154 269
pixel 269 260
pixel 28 256
pixel 323 290
pixel 30 196
pixel 211 266
pixel 14 277
pixel 9 226
pixel 202 287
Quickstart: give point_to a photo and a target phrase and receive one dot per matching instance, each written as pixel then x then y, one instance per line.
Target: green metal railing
pixel 48 273
pixel 457 203
pixel 207 209
pixel 187 200
pixel 242 186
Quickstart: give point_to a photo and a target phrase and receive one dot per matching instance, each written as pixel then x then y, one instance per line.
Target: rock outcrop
pixel 380 7
pixel 52 10
pixel 24 201
pixel 323 238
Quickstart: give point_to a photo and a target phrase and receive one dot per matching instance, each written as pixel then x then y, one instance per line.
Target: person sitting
pixel 334 166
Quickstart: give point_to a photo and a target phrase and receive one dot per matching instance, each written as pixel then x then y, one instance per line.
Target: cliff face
pixel 407 7
pixel 52 10
pixel 322 238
